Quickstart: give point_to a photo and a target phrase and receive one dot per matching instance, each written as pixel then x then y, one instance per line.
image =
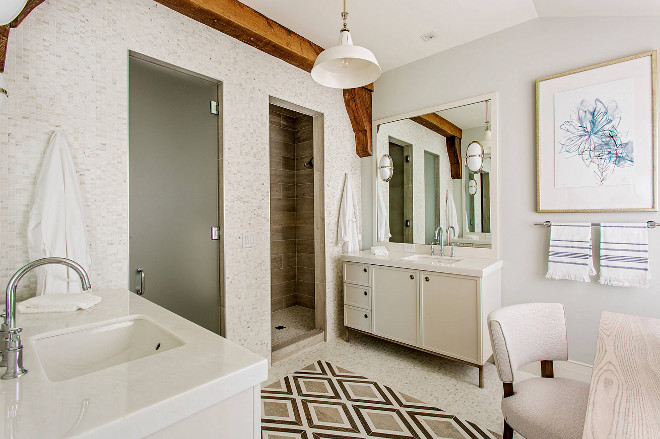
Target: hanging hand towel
pixel 384 234
pixel 452 214
pixel 570 256
pixel 624 255
pixel 348 231
pixel 57 225
pixel 58 303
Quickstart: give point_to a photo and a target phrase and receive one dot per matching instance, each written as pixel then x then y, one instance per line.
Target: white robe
pixel 452 214
pixel 348 230
pixel 57 224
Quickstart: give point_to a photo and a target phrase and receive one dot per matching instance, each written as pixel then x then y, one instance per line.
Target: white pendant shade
pixel 345 65
pixel 9 9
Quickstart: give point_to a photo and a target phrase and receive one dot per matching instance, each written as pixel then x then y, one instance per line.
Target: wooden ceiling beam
pixel 452 135
pixel 438 124
pixel 239 21
pixel 358 107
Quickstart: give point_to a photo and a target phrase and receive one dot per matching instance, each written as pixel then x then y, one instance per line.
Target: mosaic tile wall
pixel 67 68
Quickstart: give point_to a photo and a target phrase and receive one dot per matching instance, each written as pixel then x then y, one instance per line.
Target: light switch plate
pixel 409 248
pixel 248 240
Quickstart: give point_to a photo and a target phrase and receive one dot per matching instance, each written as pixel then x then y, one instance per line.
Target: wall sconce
pixel 385 168
pixel 472 187
pixel 474 157
pixel 3 92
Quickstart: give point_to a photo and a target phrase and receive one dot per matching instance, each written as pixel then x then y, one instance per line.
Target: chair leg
pixel 508 431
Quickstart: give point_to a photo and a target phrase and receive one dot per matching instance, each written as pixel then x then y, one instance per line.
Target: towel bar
pixel 649 224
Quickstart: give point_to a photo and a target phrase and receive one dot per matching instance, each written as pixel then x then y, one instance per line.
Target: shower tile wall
pixel 292 210
pixel 304 213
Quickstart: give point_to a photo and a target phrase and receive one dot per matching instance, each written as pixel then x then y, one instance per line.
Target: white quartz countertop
pixel 133 399
pixel 466 266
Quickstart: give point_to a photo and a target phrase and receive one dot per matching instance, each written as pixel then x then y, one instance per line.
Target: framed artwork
pixel 596 134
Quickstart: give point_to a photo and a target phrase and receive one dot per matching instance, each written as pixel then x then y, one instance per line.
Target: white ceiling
pixel 392 28
pixel 466 116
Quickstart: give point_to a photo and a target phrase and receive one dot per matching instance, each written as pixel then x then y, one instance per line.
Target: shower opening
pixel 296 228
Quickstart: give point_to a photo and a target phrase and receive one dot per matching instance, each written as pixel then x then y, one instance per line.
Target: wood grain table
pixel 624 397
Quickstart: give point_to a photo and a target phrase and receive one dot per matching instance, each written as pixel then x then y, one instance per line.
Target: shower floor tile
pixel 297 320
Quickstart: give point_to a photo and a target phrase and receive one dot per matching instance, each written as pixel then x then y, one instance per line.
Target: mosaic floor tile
pixel 323 401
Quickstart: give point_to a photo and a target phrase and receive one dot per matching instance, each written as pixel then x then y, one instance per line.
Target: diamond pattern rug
pixel 323 401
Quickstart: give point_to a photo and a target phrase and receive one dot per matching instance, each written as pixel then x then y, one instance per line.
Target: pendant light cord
pixel 344 16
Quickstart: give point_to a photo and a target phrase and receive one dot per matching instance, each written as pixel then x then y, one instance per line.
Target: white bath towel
pixel 383 219
pixel 570 255
pixel 57 224
pixel 624 255
pixel 348 230
pixel 452 214
pixel 58 303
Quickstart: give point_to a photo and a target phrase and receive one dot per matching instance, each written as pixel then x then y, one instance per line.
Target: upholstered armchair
pixel 537 408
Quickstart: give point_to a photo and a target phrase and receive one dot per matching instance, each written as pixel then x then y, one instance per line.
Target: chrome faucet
pixel 449 236
pixel 438 240
pixel 12 349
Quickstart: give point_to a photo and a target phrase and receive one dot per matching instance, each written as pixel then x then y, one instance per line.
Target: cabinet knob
pixel 412 276
pixel 365 270
pixel 365 293
pixel 366 316
pixel 427 279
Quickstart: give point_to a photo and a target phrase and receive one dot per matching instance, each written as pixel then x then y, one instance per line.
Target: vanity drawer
pixel 357 273
pixel 357 296
pixel 357 318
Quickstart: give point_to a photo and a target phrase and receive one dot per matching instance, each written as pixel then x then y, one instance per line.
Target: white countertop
pixel 466 266
pixel 129 400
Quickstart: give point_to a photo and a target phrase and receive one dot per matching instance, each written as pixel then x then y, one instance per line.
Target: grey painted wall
pixel 509 62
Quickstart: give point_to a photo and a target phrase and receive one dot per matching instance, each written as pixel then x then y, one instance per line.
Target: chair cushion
pixel 547 408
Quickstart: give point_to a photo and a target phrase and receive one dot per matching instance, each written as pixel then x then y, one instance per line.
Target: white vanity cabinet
pixel 395 304
pixel 450 315
pixel 440 309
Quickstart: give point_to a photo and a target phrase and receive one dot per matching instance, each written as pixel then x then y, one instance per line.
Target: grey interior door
pixel 173 184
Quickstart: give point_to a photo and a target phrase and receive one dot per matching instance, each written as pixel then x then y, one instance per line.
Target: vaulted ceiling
pixel 392 29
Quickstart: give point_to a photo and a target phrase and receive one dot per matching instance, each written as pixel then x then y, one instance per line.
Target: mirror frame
pixel 494 251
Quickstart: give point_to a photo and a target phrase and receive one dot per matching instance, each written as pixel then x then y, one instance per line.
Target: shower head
pixel 309 164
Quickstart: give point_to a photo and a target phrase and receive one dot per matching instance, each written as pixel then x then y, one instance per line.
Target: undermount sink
pixel 78 351
pixel 428 259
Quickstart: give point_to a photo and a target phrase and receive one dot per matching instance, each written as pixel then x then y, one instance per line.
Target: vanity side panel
pixel 234 417
pixel 491 299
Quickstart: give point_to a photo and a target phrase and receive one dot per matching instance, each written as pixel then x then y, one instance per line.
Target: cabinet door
pixel 450 316
pixel 394 304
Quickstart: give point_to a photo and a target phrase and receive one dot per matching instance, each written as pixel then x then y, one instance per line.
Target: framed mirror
pixel 445 178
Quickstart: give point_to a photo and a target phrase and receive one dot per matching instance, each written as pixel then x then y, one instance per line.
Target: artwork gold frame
pixel 631 166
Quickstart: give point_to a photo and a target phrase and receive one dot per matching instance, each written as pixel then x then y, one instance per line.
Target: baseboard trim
pixel 563 369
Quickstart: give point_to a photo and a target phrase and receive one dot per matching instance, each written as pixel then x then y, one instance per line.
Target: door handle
pixel 140 290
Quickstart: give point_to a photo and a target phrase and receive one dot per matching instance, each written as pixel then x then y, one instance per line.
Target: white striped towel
pixel 624 255
pixel 569 256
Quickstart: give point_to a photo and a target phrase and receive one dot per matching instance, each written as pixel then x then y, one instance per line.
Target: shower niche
pixel 296 228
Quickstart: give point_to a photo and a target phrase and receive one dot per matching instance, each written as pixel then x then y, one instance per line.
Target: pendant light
pixel 488 135
pixel 9 9
pixel 345 65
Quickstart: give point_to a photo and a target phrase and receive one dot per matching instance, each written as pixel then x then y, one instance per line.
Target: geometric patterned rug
pixel 323 401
